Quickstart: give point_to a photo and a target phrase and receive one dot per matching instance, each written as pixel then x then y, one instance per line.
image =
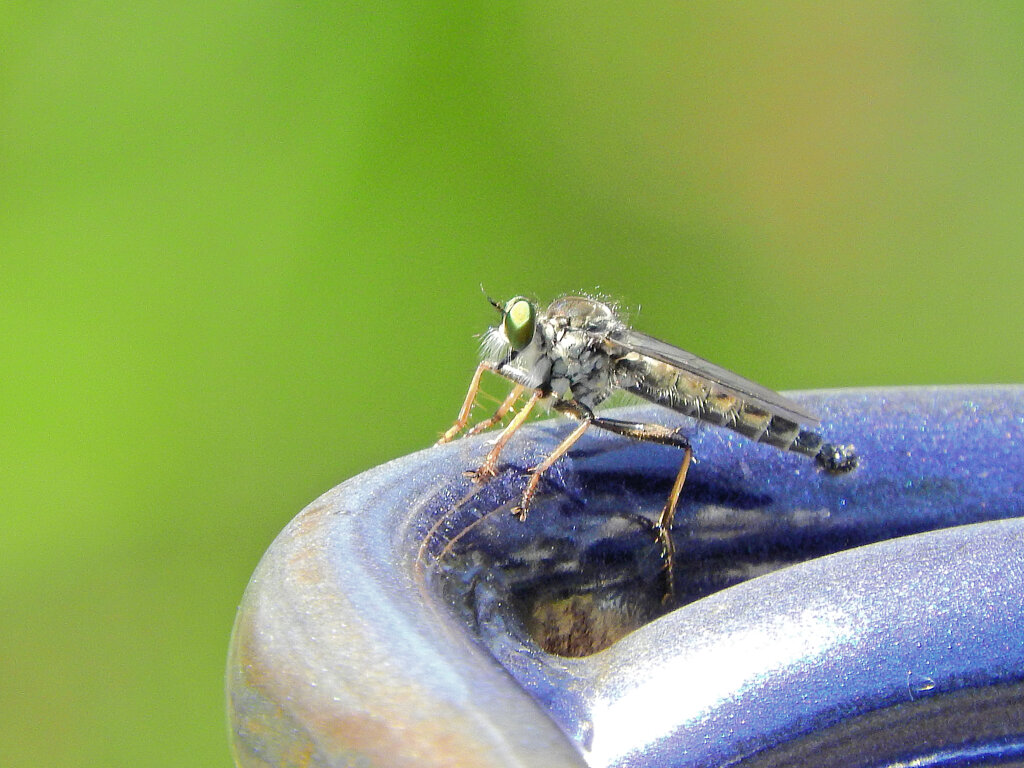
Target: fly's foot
pixel 837 459
pixel 667 552
pixel 448 436
pixel 523 506
pixel 668 555
pixel 481 474
pixel 668 548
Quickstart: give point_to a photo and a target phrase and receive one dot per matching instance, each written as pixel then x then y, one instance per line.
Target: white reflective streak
pixel 654 700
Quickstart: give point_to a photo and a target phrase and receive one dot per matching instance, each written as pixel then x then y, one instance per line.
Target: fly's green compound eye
pixel 519 322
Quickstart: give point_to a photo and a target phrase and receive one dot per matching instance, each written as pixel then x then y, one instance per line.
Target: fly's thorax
pixel 580 364
pixel 582 313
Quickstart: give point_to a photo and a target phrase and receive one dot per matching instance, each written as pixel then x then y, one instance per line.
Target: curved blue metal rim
pixel 875 618
pixel 935 606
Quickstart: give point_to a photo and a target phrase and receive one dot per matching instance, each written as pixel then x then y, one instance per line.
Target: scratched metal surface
pixel 875 618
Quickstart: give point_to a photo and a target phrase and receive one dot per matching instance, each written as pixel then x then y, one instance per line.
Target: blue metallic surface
pixel 807 646
pixel 875 618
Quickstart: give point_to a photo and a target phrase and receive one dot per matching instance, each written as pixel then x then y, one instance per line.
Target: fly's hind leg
pixel 655 433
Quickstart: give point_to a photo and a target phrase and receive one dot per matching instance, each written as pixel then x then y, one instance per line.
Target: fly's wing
pixel 732 383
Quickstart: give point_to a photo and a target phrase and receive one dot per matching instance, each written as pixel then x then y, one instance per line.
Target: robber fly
pixel 578 351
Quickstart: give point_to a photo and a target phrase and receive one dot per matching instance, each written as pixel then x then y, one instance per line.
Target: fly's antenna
pixel 491 301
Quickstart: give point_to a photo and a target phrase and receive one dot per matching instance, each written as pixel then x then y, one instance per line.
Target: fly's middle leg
pixel 535 473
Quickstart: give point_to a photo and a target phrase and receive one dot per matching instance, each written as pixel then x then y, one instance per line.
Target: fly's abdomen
pixel 787 434
pixel 668 386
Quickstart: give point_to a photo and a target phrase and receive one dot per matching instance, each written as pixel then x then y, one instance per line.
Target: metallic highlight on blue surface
pixel 875 618
pixel 804 647
pixel 998 753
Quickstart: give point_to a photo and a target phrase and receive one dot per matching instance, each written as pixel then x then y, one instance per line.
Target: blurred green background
pixel 242 245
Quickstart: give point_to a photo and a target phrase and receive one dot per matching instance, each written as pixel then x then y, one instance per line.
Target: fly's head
pixel 518 343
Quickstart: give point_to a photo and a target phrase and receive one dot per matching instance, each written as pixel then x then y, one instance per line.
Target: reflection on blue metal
pixel 875 618
pixel 805 648
pixel 1002 752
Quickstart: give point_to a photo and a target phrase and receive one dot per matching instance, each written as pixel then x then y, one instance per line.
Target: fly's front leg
pixel 488 469
pixel 467 406
pixel 655 433
pixel 498 415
